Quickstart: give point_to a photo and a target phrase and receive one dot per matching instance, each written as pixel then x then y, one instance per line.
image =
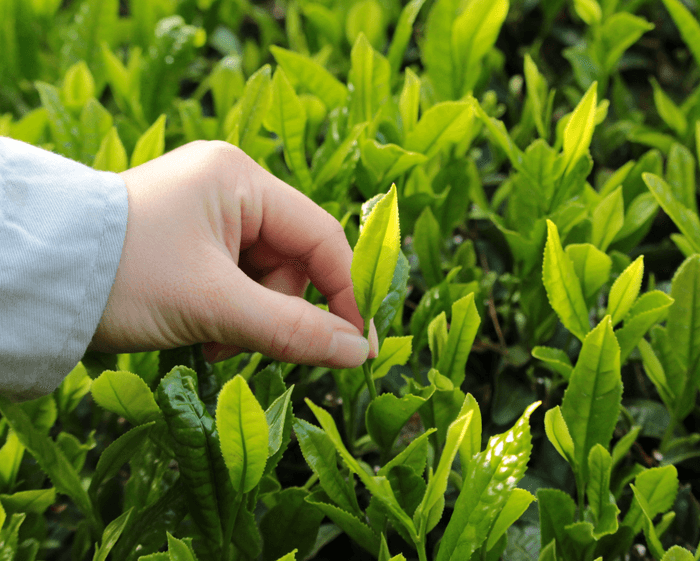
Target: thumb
pixel 283 327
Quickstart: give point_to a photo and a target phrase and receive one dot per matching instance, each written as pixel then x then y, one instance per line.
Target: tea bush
pixel 518 180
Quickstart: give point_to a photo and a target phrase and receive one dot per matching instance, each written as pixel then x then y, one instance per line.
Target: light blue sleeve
pixel 62 229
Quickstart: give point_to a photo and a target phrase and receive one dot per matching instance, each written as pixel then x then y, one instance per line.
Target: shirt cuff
pixel 62 230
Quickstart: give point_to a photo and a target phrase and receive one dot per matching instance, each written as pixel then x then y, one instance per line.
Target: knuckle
pixel 294 334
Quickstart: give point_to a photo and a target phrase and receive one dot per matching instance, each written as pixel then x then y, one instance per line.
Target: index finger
pixel 296 227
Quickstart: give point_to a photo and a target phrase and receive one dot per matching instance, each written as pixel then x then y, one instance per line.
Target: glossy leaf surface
pixel 592 401
pixel 243 431
pixel 375 255
pixel 493 474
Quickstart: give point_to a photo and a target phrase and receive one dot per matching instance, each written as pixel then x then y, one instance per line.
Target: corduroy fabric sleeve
pixel 62 229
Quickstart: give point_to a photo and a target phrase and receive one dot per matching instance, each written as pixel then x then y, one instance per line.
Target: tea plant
pixel 518 182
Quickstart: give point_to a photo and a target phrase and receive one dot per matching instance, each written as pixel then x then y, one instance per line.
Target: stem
pixel 311 482
pixel 367 368
pixel 668 434
pixel 580 487
pixel 228 532
pixel 421 551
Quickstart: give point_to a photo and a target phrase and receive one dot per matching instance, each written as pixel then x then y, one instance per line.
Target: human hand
pixel 219 251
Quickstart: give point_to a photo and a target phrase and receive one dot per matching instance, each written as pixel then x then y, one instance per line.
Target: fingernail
pixel 348 350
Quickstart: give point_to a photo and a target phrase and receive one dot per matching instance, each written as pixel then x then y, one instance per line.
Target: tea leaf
pixel 48 455
pixel 563 287
pixel 592 400
pixel 63 126
pixel 378 486
pixel 393 301
pixel 653 542
pixel 471 443
pixel 658 487
pixel 117 454
pixel 111 155
pixel 426 242
pixel 243 432
pixel 677 553
pixel 556 510
pixel 474 33
pixel 388 161
pixel 649 309
pixel 579 130
pixel 375 255
pixel 669 111
pixel 287 119
pixel 537 91
pixel 465 324
pixel 394 351
pixel 386 416
pixel 514 508
pixel 110 536
pixel 493 474
pixel 609 218
pixel 680 173
pixel 333 165
pixel 589 11
pixel 351 525
pixel 624 290
pixel 250 111
pixel 276 415
pixel 440 125
pixel 619 32
pixel 555 360
pixel 559 435
pixel 369 78
pixel 402 34
pixel 195 442
pixel 151 144
pixel 409 100
pixel 438 482
pixel 687 25
pixel 125 394
pixel 437 337
pixel 601 501
pixel 413 456
pixel 686 220
pixel 291 523
pixel 178 550
pixel 436 51
pixel 304 71
pixel 684 319
pixel 592 267
pixel 319 453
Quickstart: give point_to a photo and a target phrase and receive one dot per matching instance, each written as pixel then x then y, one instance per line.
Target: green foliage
pixel 525 229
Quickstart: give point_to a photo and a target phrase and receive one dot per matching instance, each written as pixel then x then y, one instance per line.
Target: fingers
pixel 283 327
pixel 296 227
pixel 293 227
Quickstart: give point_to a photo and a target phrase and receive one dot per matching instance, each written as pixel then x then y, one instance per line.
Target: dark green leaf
pixel 291 523
pixel 48 455
pixel 387 414
pixel 350 524
pixel 117 454
pixel 195 442
pixel 319 452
